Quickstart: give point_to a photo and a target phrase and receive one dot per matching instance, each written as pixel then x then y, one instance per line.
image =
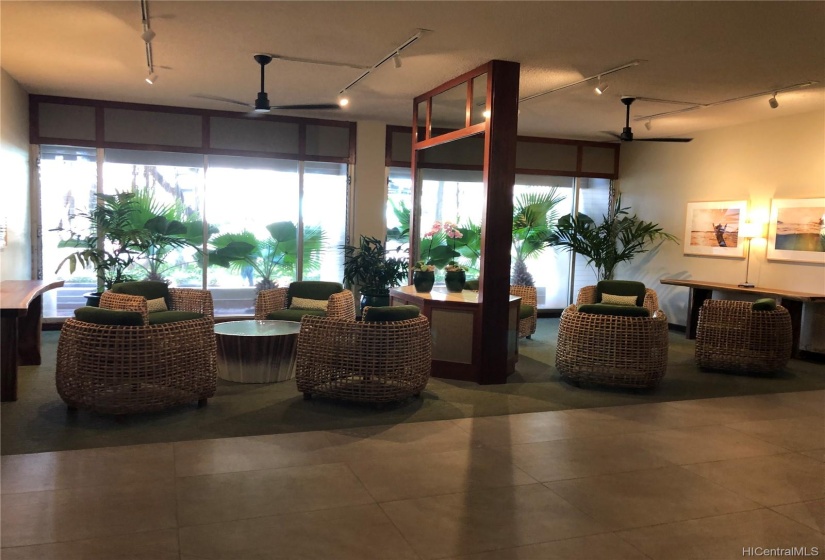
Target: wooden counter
pixel 700 291
pixel 21 313
pixel 455 324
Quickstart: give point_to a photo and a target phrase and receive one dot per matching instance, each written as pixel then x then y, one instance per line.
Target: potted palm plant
pixel 620 237
pixel 115 240
pixel 369 267
pixel 271 256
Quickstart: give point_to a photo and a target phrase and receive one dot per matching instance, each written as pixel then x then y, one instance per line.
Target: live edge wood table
pixel 21 314
pixel 455 324
pixel 700 291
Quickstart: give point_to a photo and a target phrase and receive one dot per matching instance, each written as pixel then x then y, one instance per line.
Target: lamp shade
pixel 749 230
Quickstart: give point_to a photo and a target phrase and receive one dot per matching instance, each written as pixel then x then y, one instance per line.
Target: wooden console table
pixel 21 313
pixel 455 324
pixel 700 291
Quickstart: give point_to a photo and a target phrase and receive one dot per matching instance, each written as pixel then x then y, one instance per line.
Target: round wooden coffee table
pixel 257 351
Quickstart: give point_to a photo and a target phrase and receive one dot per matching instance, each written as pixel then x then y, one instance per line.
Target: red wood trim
pixel 468 107
pixel 451 136
pixel 428 125
pixel 454 82
pixel 497 218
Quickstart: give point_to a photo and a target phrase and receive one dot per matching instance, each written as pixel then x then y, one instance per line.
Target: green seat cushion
pixel 294 314
pixel 621 288
pixel 99 316
pixel 525 311
pixel 620 310
pixel 471 285
pixel 147 288
pixel 764 304
pixel 388 314
pixel 161 317
pixel 311 289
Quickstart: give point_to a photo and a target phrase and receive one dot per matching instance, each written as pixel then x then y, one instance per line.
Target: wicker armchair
pixel 614 350
pixel 370 362
pixel 732 336
pixel 139 366
pixel 529 303
pixel 276 302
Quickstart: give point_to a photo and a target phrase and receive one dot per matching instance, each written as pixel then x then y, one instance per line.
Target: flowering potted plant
pixel 455 276
pixel 423 276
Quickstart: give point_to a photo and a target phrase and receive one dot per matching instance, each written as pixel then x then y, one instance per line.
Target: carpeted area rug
pixel 38 421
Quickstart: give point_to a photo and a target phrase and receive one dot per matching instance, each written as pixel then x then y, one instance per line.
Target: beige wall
pixel 780 158
pixel 15 260
pixel 369 182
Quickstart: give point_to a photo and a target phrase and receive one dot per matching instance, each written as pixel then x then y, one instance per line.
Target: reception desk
pixel 20 324
pixel 700 291
pixel 455 324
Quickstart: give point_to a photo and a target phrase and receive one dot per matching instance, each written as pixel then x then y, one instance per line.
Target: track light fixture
pixel 343 100
pixel 147 37
pixel 151 78
pixel 147 34
pixel 395 55
pixel 649 124
pixel 630 64
pixel 600 87
pixel 772 101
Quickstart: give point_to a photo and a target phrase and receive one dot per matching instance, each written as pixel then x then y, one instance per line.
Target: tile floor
pixel 699 479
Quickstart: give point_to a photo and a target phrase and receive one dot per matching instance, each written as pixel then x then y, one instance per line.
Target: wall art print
pixel 712 228
pixel 796 231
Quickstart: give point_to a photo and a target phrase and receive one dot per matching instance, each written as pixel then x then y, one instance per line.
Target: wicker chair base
pixel 125 370
pixel 732 337
pixel 363 362
pixel 609 350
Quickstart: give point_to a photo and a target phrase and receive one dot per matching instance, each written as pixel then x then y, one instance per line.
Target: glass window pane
pixel 325 221
pixel 449 110
pixel 399 203
pixel 255 212
pixel 68 182
pixel 479 99
pixel 540 201
pixel 173 192
pixel 594 197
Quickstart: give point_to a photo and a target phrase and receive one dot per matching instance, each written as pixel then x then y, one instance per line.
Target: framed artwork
pixel 712 228
pixel 797 230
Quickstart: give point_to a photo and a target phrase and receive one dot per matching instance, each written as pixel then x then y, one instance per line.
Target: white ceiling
pixel 700 52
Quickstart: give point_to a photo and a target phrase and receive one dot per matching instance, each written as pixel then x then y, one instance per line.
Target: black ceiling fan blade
pixel 316 106
pixel 224 99
pixel 663 139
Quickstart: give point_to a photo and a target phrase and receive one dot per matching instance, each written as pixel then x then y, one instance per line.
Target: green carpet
pixel 38 421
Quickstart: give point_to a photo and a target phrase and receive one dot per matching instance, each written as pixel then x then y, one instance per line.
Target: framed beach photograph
pixel 796 231
pixel 712 228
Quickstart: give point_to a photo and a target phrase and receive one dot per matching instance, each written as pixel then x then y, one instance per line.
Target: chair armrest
pixel 125 302
pixel 527 294
pixel 194 300
pixel 586 295
pixel 651 302
pixel 269 301
pixel 341 306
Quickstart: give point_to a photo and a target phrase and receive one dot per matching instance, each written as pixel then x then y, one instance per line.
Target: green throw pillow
pixel 100 316
pixel 764 304
pixel 149 289
pixel 621 288
pixel 620 310
pixel 388 314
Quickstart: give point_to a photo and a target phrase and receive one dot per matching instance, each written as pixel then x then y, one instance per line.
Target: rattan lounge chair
pixel 369 362
pixel 732 336
pixel 528 310
pixel 615 350
pixel 278 304
pixel 139 365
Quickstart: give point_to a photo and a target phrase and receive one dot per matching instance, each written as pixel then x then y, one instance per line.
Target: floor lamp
pixel 749 231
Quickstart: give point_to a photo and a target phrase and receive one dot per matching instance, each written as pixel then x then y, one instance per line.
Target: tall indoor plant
pixel 115 239
pixel 534 218
pixel 620 237
pixel 370 267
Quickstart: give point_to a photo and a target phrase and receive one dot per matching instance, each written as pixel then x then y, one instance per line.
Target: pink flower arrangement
pixel 451 230
pixel 433 230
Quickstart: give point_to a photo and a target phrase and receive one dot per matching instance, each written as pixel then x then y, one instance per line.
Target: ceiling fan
pixel 627 133
pixel 261 104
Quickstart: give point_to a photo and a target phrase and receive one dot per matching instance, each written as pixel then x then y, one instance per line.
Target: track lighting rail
pixel 600 75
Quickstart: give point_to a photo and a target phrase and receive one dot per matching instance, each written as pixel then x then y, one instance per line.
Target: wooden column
pixel 497 218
